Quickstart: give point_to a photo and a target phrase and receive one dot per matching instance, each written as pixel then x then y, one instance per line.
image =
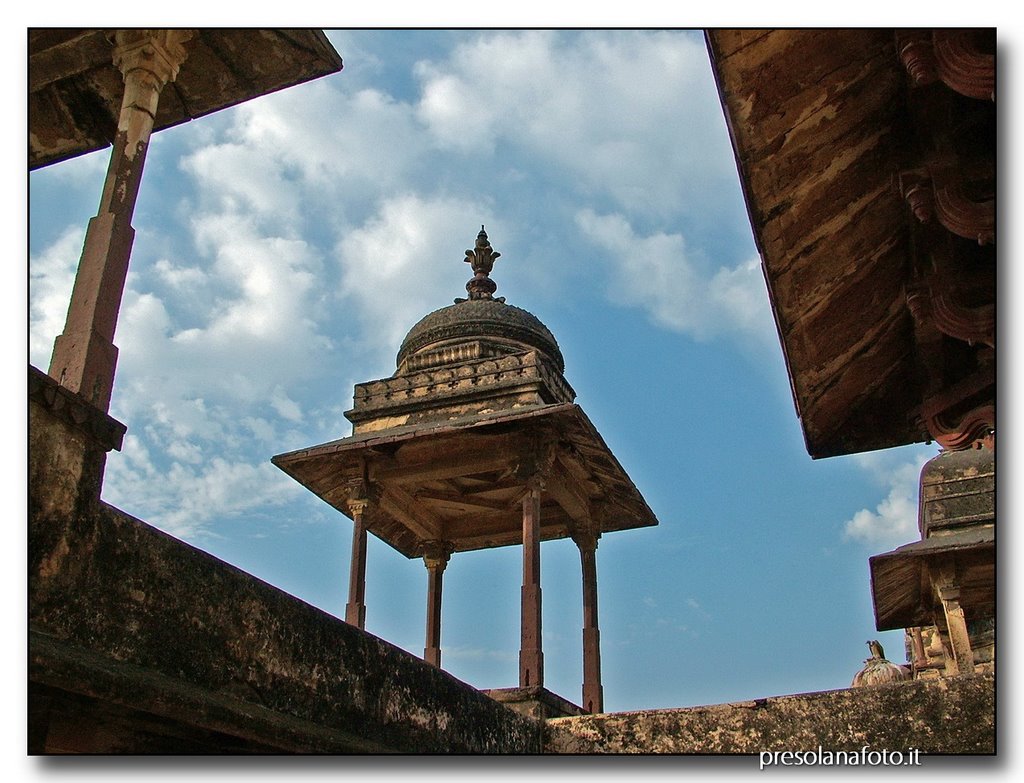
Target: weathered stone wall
pixel 954 715
pixel 141 643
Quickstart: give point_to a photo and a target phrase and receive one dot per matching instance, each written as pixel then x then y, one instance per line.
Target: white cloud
pixel 894 519
pixel 311 152
pixel 616 117
pixel 51 278
pixel 180 277
pixel 404 263
pixel 187 498
pixel 659 274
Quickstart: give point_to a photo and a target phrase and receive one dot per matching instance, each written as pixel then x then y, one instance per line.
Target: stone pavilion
pixel 475 442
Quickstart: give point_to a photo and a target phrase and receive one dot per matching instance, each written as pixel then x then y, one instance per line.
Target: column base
pixel 535 702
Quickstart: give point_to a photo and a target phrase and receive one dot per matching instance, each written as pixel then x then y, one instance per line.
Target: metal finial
pixel 481 258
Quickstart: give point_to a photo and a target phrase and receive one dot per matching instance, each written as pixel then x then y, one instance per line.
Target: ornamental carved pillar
pixel 593 695
pixel 531 657
pixel 947 590
pixel 435 558
pixel 84 355
pixel 355 609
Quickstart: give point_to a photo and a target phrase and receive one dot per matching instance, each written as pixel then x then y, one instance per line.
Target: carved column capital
pixel 436 554
pixel 357 506
pixel 158 52
pixel 586 539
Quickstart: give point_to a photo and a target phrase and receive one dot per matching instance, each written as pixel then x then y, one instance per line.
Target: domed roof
pixel 481 318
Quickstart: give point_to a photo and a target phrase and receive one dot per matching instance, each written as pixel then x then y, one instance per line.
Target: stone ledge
pixel 75 410
pixel 535 702
pixel 948 716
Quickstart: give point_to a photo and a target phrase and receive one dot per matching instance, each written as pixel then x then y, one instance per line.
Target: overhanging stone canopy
pixel 75 89
pixel 475 442
pixel 867 159
pixel 462 481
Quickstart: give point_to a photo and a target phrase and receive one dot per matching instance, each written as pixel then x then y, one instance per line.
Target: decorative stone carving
pixel 917 55
pixel 962 65
pixel 878 671
pixel 954 56
pixel 973 429
pixel 939 191
pixel 482 259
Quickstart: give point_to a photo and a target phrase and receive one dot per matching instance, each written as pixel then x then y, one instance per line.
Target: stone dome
pixel 486 320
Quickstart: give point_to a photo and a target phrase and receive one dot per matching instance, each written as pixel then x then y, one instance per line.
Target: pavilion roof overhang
pixel 462 481
pixel 902 587
pixel 75 90
pixel 820 127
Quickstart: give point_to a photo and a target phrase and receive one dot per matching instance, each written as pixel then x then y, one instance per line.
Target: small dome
pixel 486 319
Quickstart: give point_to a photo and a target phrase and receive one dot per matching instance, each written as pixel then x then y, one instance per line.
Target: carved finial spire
pixel 482 259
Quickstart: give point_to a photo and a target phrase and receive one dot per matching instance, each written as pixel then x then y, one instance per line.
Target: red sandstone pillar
pixel 593 695
pixel 435 557
pixel 531 657
pixel 84 355
pixel 355 609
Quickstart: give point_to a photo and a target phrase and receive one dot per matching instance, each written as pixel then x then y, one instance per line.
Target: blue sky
pixel 284 247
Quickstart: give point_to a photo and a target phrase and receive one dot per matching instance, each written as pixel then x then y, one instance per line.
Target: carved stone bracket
pixel 964 415
pixel 917 54
pixel 436 554
pixel 934 301
pixel 951 56
pixel 958 212
pixel 974 429
pixel 939 191
pixel 915 185
pixel 962 66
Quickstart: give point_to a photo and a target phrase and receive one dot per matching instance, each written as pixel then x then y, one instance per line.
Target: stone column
pixel 531 657
pixel 947 590
pixel 435 557
pixel 593 695
pixel 959 640
pixel 84 355
pixel 355 609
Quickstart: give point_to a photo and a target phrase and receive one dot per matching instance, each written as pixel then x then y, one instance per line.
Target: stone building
pixel 868 162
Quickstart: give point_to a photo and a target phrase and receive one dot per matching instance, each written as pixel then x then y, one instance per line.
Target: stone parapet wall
pixel 123 614
pixel 954 716
pixel 495 382
pixel 467 377
pixel 140 643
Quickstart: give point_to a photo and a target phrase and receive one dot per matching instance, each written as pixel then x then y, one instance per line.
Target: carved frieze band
pixel 467 377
